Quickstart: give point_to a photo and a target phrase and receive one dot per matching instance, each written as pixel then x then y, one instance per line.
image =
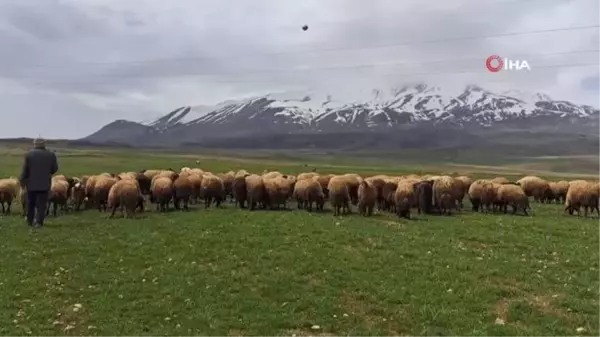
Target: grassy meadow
pixel 229 271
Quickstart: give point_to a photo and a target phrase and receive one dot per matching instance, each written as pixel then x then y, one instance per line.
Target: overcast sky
pixel 69 67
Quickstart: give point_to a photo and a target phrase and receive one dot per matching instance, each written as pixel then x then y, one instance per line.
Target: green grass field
pixel 233 272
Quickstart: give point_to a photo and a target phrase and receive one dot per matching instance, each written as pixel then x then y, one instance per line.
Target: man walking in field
pixel 36 175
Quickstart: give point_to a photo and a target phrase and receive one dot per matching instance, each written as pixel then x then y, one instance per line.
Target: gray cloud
pixel 68 67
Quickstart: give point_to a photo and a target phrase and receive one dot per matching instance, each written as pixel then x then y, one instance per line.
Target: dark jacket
pixel 38 168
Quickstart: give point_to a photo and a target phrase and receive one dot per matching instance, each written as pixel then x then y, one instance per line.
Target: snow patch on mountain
pixel 408 104
pixel 526 96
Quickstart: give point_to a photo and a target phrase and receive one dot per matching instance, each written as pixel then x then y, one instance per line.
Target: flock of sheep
pixel 131 191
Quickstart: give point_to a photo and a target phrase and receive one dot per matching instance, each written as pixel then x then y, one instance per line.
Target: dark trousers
pixel 36 201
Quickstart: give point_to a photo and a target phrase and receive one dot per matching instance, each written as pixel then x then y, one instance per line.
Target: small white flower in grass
pixel 92 327
pixel 499 321
pixel 449 290
pixel 69 327
pixel 170 259
pixel 580 329
pixel 334 316
pixel 120 296
pixel 315 327
pixel 77 307
pixel 167 318
pixel 345 315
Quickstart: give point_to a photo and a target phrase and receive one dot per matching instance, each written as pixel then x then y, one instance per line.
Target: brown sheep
pixel 292 182
pixel 124 194
pixel 166 173
pixel 339 195
pixel 242 173
pixel 482 192
pixel 182 191
pixel 559 191
pixel 584 194
pixel 307 191
pixel 196 180
pixel 240 193
pixel 514 196
pixel 278 190
pixel 227 179
pixel 58 196
pixel 255 191
pixel 424 196
pixel 367 197
pixel 78 195
pixel 535 187
pixel 69 180
pixel 84 179
pixel 500 181
pixel 150 173
pixel 90 186
pixel 298 193
pixel 307 175
pixel 271 175
pixel 23 199
pixel 353 180
pixel 142 180
pixel 127 175
pixel 212 190
pixel 444 192
pixel 387 192
pixel 466 183
pixel 378 182
pixel 101 188
pixel 404 198
pixel 324 182
pixel 161 192
pixel 9 190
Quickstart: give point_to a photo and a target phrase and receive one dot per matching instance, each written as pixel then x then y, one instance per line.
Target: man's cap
pixel 39 142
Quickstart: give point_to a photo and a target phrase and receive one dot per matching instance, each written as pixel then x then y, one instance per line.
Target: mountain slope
pixel 411 107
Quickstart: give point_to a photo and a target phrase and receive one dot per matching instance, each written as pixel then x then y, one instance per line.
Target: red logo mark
pixel 489 63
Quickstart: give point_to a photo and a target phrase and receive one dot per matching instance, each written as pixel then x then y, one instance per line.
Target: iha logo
pixel 496 63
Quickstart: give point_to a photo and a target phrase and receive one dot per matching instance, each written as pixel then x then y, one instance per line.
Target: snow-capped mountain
pixel 380 110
